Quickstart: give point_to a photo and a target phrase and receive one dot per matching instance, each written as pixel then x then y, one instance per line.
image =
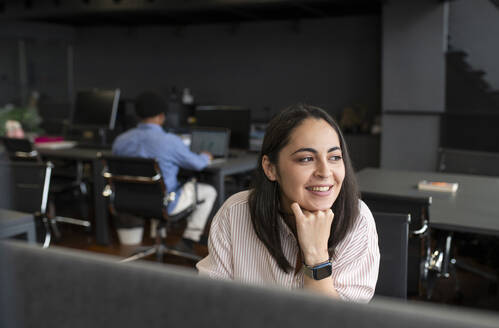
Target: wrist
pixel 311 259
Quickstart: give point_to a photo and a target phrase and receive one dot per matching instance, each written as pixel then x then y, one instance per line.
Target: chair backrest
pixel 393 235
pixel 137 186
pixel 25 186
pixel 416 206
pixel 468 162
pixel 20 149
pixel 419 234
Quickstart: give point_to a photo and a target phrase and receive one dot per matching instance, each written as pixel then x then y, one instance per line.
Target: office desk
pixel 14 223
pixel 216 174
pixel 234 165
pixel 473 208
pixel 100 206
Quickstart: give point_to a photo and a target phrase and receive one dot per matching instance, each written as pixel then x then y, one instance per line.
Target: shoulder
pixel 127 133
pixel 125 136
pixel 235 210
pixel 360 238
pixel 237 202
pixel 364 220
pixel 365 215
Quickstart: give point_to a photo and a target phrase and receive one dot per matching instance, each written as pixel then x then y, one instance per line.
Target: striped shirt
pixel 236 253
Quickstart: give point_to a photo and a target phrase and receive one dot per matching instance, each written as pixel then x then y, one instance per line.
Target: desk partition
pixel 76 289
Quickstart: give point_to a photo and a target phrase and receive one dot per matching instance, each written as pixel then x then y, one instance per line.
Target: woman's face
pixel 310 168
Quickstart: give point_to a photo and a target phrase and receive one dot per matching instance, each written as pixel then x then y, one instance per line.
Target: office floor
pixel 461 289
pixel 78 238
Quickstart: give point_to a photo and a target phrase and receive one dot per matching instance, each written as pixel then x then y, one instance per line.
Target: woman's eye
pixel 335 158
pixel 306 159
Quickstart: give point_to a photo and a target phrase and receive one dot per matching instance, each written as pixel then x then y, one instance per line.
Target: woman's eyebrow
pixel 312 150
pixel 301 150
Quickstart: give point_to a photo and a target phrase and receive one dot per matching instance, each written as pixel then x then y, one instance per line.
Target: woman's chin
pixel 317 207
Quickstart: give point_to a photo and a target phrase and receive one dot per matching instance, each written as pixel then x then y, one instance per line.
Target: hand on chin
pixel 310 207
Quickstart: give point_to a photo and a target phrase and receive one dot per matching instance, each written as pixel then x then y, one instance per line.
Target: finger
pixel 296 210
pixel 330 214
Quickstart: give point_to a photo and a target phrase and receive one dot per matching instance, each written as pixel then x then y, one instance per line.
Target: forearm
pixel 324 286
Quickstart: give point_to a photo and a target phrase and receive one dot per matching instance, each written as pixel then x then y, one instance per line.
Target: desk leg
pixel 100 206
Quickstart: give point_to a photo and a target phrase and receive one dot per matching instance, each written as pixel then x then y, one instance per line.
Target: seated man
pixel 149 140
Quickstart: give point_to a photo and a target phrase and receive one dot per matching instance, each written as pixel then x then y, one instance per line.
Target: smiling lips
pixel 320 189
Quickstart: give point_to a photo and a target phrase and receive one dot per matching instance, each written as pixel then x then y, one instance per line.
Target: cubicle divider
pixel 58 287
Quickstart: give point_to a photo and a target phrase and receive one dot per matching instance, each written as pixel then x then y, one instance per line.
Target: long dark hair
pixel 264 198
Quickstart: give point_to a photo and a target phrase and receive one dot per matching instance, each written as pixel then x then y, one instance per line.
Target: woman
pixel 302 225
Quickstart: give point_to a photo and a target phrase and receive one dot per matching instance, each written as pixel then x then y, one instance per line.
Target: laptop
pixel 213 140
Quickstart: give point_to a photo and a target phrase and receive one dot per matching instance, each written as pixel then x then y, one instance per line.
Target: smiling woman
pixel 310 168
pixel 302 225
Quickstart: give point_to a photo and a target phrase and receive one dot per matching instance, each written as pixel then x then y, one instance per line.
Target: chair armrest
pixel 421 231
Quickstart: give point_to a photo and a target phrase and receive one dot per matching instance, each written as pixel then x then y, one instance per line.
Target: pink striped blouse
pixel 236 253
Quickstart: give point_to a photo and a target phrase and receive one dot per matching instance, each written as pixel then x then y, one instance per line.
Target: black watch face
pixel 323 272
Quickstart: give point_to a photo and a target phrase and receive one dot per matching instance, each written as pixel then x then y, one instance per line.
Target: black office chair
pixel 63 178
pixel 20 150
pixel 24 187
pixel 393 236
pixel 23 150
pixel 468 162
pixel 136 187
pixel 419 256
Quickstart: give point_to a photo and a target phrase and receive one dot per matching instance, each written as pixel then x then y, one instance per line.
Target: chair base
pixel 160 250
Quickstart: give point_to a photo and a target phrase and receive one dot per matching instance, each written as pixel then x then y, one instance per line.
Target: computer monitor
pixel 236 119
pixel 96 109
pixel 213 140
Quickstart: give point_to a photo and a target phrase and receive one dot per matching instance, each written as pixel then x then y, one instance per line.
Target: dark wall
pixel 9 71
pixel 330 62
pixel 34 57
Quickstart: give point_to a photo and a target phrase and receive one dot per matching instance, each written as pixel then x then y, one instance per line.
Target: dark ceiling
pixel 178 12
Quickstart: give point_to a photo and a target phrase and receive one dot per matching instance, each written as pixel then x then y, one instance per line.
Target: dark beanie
pixel 149 104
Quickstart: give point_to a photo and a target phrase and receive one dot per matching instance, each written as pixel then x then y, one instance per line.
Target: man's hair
pixel 149 104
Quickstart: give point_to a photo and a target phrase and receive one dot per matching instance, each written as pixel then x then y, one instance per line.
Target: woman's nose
pixel 323 169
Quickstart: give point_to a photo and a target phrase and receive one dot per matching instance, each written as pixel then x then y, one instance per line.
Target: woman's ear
pixel 268 168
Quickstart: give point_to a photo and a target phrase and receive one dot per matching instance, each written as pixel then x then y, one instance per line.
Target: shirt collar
pixel 151 126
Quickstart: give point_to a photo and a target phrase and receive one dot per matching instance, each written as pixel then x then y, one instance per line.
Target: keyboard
pixel 218 161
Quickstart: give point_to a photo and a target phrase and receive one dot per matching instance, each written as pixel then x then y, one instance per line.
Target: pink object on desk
pixel 43 139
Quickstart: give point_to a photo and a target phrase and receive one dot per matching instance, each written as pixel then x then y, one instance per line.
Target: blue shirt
pixel 151 141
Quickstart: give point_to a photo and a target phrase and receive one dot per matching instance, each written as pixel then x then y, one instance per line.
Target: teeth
pixel 319 188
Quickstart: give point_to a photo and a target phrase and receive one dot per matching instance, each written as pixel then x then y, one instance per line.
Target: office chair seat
pixel 136 187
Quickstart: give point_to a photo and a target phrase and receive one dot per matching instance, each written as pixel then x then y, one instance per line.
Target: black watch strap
pixel 319 271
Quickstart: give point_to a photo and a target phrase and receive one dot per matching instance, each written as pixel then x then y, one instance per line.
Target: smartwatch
pixel 319 271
